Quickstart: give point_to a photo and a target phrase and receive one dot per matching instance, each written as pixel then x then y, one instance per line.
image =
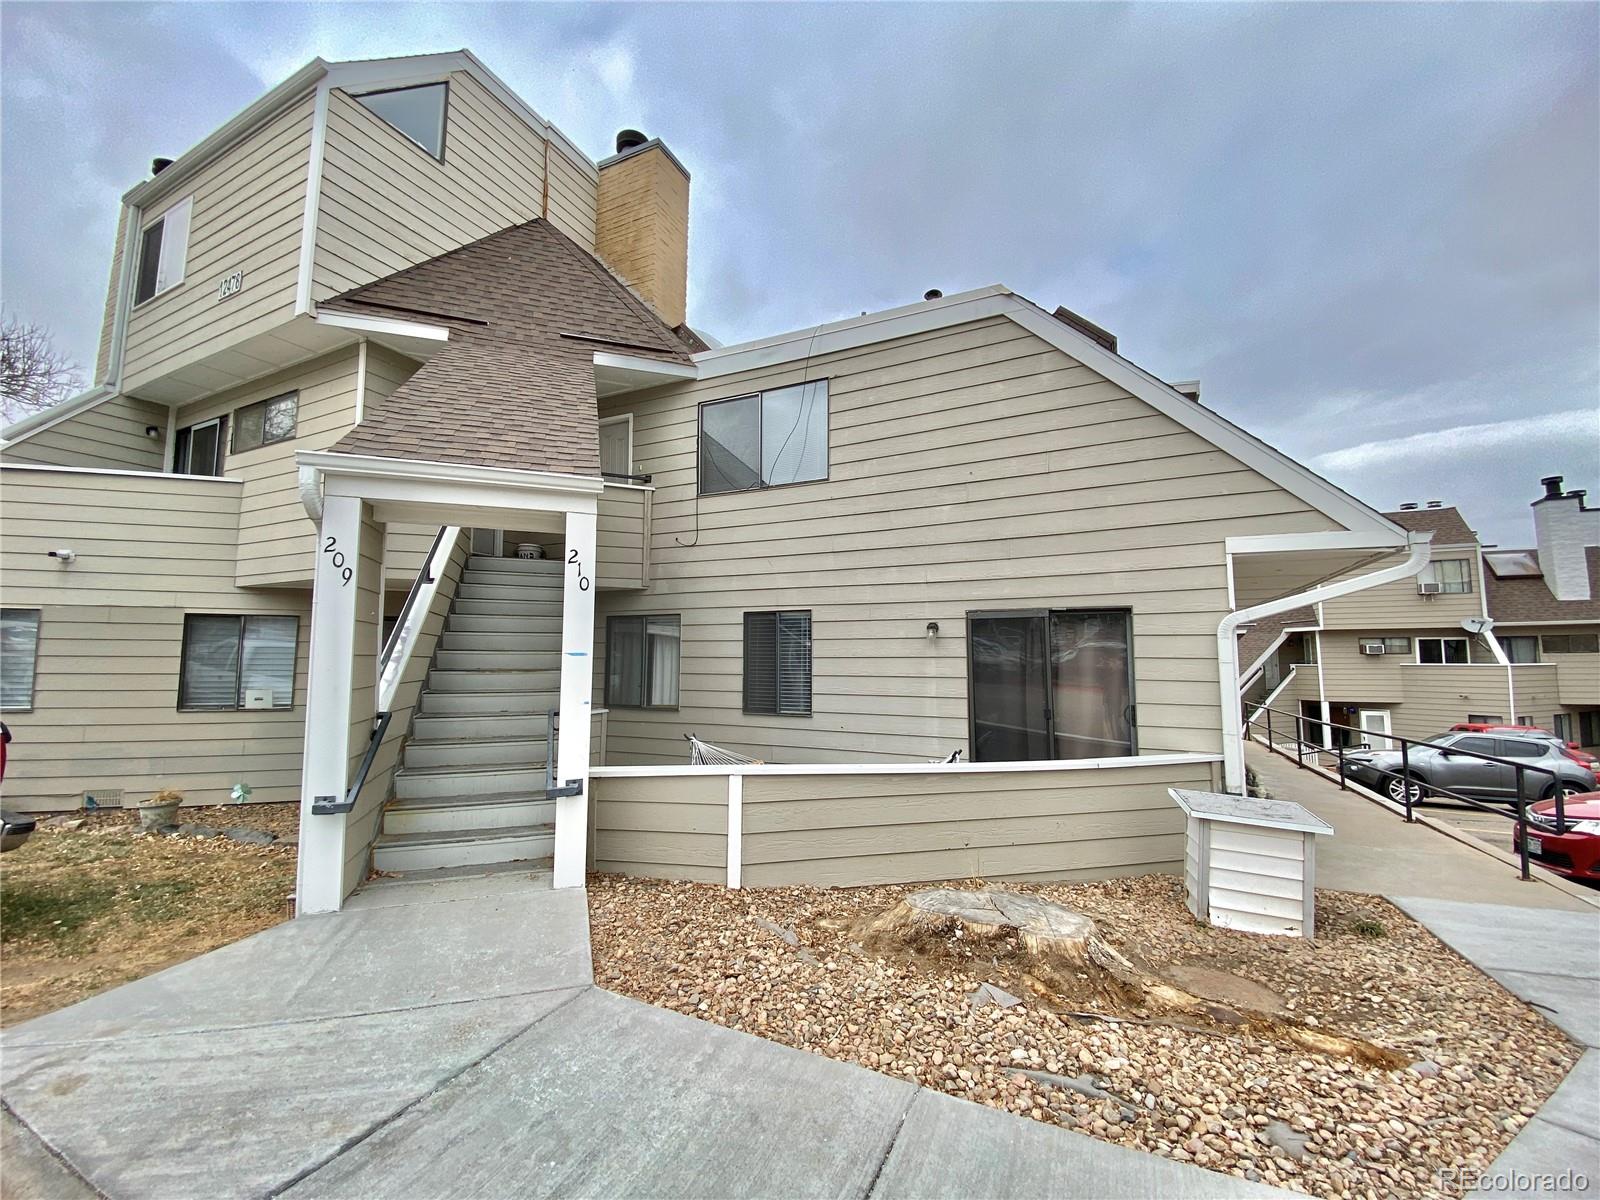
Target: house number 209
pixel 332 548
pixel 583 580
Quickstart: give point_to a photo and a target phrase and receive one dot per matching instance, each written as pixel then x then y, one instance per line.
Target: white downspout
pixel 311 493
pixel 1499 652
pixel 1228 644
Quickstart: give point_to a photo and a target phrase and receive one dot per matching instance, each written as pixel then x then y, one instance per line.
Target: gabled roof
pixel 1524 599
pixel 527 309
pixel 1448 526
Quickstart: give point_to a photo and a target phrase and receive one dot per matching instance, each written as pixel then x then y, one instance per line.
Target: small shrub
pixel 166 796
pixel 1368 927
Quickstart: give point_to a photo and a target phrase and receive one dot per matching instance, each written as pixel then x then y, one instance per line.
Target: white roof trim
pixel 235 479
pixel 391 326
pixel 371 466
pixel 1037 767
pixel 999 300
pixel 651 366
pixel 47 417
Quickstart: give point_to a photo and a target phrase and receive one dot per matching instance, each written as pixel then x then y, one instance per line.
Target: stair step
pixel 500 591
pixel 499 660
pixel 451 814
pixel 479 607
pixel 522 624
pixel 527 566
pixel 484 680
pixel 469 753
pixel 462 848
pixel 481 728
pixel 503 642
pixel 523 581
pixel 429 782
pixel 458 704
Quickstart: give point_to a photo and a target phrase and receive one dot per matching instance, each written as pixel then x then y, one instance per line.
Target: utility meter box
pixel 1250 864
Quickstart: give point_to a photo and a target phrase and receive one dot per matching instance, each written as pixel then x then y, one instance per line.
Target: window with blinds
pixel 232 663
pixel 19 655
pixel 777 663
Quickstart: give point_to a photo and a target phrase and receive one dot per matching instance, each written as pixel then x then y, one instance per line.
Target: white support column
pixel 735 830
pixel 335 595
pixel 577 690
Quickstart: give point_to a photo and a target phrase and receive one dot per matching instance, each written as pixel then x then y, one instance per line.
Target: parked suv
pixel 1544 735
pixel 1448 762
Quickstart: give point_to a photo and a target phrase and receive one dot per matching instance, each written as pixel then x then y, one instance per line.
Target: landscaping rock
pixel 988 993
pixel 200 831
pixel 249 837
pixel 1280 1135
pixel 782 931
pixel 61 821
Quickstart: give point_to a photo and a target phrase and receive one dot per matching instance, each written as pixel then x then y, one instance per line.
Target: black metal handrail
pixel 1411 791
pixel 324 806
pixel 625 477
pixel 424 577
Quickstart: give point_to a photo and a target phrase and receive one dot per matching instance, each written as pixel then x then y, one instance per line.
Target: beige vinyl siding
pixel 661 827
pixel 102 358
pixel 1397 608
pixel 1352 677
pixel 624 520
pixel 249 208
pixel 150 548
pixel 386 203
pixel 109 435
pixel 1577 675
pixel 1438 697
pixel 971 468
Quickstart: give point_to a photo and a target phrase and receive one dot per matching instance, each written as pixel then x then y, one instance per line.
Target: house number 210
pixel 583 580
pixel 332 548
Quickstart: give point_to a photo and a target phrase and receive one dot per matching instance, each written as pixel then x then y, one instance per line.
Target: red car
pixel 1570 749
pixel 1575 853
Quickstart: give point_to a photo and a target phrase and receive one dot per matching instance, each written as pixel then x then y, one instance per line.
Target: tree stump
pixel 1049 932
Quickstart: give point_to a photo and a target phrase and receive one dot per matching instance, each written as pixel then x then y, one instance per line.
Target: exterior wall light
pixel 933 629
pixel 151 432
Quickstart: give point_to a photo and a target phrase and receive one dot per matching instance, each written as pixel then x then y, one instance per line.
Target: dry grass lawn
pixel 82 910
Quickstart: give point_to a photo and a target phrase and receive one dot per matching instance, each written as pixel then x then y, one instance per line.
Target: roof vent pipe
pixel 1435 503
pixel 1578 494
pixel 1409 506
pixel 933 294
pixel 630 139
pixel 1552 487
pixel 158 165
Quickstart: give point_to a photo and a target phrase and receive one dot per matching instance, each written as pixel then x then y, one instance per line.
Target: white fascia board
pixel 46 418
pixel 649 366
pixel 1342 539
pixel 834 336
pixel 362 466
pixel 126 474
pixel 919 768
pixel 235 130
pixel 391 326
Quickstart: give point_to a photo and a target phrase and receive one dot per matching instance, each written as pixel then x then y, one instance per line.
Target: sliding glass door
pixel 1049 684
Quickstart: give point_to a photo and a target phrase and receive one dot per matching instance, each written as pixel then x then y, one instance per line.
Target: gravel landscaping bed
pixel 788 964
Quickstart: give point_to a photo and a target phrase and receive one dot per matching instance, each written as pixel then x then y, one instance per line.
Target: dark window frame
pixel 1522 638
pixel 181 446
pixel 1466 650
pixel 238 683
pixel 644 671
pixel 444 113
pixel 1451 589
pixel 762 485
pixel 778 710
pixel 1563 643
pixel 149 264
pixel 33 666
pixel 294 428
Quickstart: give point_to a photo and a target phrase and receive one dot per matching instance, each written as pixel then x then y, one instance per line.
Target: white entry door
pixel 1374 723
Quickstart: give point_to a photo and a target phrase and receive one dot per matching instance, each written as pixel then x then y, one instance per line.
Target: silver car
pixel 1448 763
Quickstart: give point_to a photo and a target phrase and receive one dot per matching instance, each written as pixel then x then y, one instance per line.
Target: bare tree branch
pixel 33 374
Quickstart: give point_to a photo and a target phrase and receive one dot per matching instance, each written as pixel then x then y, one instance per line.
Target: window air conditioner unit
pixel 1372 647
pixel 1427 588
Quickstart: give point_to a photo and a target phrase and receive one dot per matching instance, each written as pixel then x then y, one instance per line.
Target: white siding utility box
pixel 1250 864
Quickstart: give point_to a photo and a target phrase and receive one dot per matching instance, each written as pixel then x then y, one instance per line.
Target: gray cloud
pixel 1355 223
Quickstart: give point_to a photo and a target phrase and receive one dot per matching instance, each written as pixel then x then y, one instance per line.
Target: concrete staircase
pixel 470 788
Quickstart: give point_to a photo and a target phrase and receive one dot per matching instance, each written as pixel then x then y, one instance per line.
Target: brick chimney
pixel 643 228
pixel 1563 525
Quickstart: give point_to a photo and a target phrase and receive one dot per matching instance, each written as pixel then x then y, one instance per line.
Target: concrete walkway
pixel 446 1039
pixel 1374 850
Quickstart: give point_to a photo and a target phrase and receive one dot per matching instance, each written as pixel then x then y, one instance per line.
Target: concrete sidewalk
pixel 1374 850
pixel 446 1039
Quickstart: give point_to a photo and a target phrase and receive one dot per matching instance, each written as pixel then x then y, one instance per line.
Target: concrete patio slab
pixel 362 961
pixel 611 1097
pixel 1550 959
pixel 457 883
pixel 238 1112
pixel 951 1149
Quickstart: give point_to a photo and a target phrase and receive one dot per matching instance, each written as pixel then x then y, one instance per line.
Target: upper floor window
pixel 1453 575
pixel 1520 649
pixel 1571 643
pixel 265 422
pixel 765 440
pixel 19 651
pixel 1437 650
pixel 163 247
pixel 417 112
pixel 197 449
pixel 616 445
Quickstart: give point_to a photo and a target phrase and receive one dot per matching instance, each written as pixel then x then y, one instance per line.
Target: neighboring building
pixel 1482 635
pixel 400 444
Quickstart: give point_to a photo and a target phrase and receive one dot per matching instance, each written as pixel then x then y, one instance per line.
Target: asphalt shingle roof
pixel 1446 524
pixel 1528 599
pixel 527 308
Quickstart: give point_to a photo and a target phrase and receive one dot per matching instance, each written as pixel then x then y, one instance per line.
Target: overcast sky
pixel 1369 230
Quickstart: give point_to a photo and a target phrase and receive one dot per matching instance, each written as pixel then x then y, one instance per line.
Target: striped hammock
pixel 704 754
